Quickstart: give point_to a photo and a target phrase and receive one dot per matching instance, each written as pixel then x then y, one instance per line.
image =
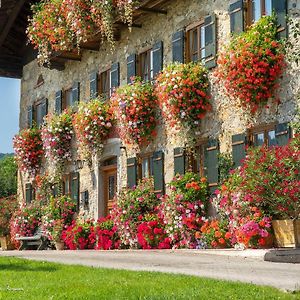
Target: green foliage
pixel 31 280
pixel 8 176
pixel 7 207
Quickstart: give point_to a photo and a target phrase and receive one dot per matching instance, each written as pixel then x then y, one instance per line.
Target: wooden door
pixel 110 186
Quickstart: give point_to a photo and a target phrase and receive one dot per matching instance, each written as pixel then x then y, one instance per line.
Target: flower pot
pixel 287 233
pixel 59 245
pixel 6 243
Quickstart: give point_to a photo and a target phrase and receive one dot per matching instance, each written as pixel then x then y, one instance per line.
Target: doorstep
pixel 283 255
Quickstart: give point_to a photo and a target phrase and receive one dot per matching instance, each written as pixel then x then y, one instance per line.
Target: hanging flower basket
pixel 182 91
pixel 57 136
pixel 29 151
pixel 92 124
pixel 135 111
pixel 251 64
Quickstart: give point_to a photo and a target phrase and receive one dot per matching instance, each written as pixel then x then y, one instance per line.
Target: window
pixel 145 166
pixel 196 42
pixel 255 9
pixel 145 65
pixel 104 84
pixel 264 135
pixel 29 193
pixel 70 186
pixel 68 99
pixel 196 159
pixel 37 112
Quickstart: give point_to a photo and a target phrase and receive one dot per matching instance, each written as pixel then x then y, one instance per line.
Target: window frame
pixel 101 92
pixel 263 128
pixel 192 163
pixel 248 11
pixel 140 159
pixel 140 72
pixel 64 98
pixel 188 34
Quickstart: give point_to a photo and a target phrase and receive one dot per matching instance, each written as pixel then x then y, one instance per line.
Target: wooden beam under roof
pixel 12 18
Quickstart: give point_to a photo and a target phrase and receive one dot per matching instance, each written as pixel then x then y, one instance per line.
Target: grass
pixel 24 279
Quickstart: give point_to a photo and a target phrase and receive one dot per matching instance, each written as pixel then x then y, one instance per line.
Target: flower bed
pixel 182 92
pixel 29 151
pixel 184 209
pixel 135 109
pixel 252 63
pixel 92 124
pixel 57 136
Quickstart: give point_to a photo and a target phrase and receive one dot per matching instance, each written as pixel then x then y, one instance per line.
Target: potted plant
pixel 7 207
pixel 56 234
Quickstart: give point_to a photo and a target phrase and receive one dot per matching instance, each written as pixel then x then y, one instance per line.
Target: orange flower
pixel 218 234
pixel 227 235
pixel 203 179
pixel 198 234
pixel 221 241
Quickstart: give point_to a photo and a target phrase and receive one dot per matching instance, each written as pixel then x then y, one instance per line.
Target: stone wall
pixel 225 119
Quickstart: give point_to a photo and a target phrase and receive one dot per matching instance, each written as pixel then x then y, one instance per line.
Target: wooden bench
pixel 36 240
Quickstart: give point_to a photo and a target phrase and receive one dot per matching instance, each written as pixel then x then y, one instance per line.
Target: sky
pixel 9 112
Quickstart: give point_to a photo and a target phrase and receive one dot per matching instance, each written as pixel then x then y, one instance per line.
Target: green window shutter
pixel 178 46
pixel 211 153
pixel 30 116
pixel 282 133
pixel 158 172
pixel 131 67
pixel 131 172
pixel 55 190
pixel 28 193
pixel 75 188
pixel 157 58
pixel 179 161
pixel 114 76
pixel 280 8
pixel 238 148
pixel 93 85
pixel 75 93
pixel 236 14
pixel 58 102
pixel 210 41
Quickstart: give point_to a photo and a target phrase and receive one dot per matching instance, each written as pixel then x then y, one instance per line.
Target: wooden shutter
pixel 210 41
pixel 157 58
pixel 114 76
pixel 211 167
pixel 55 190
pixel 282 133
pixel 28 193
pixel 178 46
pixel 44 109
pixel 238 148
pixel 280 8
pixel 158 172
pixel 30 116
pixel 131 67
pixel 179 161
pixel 131 172
pixel 75 188
pixel 75 93
pixel 236 14
pixel 58 102
pixel 93 85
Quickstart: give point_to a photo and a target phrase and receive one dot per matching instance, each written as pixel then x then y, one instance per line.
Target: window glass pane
pixel 39 115
pixel 271 138
pixel 145 168
pixel 151 64
pixel 69 98
pixel 268 6
pixel 111 187
pixel 256 10
pixel 259 139
pixel 67 186
pixel 202 39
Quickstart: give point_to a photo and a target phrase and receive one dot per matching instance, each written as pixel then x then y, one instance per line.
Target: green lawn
pixel 23 279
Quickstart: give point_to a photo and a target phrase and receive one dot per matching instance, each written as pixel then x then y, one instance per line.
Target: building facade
pixel 177 30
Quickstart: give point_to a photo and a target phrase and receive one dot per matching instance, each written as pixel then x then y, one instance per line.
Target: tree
pixel 8 176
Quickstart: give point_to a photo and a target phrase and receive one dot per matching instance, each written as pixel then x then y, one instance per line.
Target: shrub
pixel 131 207
pixel 8 206
pixel 184 209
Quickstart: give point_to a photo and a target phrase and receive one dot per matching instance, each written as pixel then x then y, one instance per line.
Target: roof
pixel 15 51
